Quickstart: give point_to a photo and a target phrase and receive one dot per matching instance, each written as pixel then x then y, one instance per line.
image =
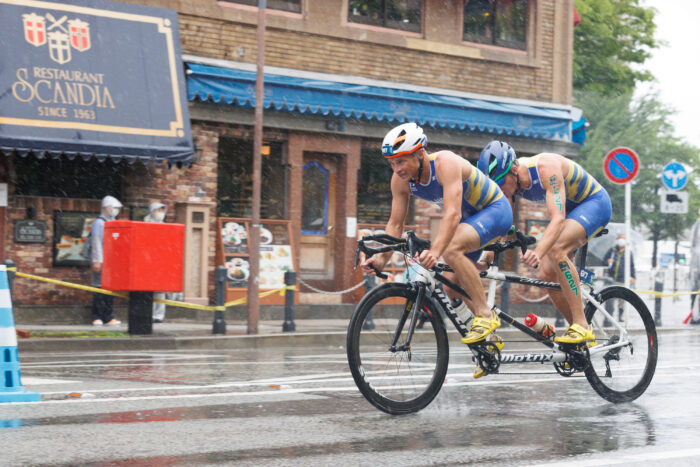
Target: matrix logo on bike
pixel 564 266
pixel 528 357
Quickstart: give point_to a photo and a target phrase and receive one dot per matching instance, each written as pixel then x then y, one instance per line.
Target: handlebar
pixel 412 245
pixel 522 241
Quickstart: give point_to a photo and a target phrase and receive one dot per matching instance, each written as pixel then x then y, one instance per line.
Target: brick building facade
pixel 320 39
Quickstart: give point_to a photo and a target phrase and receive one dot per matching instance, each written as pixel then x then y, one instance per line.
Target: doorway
pixel 318 216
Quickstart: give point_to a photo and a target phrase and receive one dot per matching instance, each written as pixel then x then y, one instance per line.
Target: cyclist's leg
pixel 560 267
pixel 466 238
pixel 583 221
pixel 474 232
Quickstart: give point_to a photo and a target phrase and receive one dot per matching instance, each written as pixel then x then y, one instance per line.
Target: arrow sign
pixel 674 176
pixel 621 165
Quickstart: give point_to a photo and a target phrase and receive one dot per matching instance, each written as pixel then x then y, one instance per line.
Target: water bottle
pixel 463 313
pixel 540 326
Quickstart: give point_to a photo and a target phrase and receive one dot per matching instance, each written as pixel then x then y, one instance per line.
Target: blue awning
pixel 302 95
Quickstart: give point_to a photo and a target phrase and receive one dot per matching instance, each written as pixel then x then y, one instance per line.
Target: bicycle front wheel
pixel 622 374
pixel 397 381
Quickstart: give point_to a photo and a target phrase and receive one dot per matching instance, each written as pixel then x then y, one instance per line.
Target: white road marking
pixel 621 458
pixel 287 390
pixel 30 380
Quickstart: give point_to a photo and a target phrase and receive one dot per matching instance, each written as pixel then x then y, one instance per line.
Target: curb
pixel 335 339
pixel 242 342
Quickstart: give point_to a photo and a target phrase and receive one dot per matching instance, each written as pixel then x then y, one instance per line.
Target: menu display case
pixel 276 256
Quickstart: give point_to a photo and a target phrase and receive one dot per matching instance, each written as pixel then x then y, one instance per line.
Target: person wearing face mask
pixel 157 214
pixel 615 259
pixel 102 309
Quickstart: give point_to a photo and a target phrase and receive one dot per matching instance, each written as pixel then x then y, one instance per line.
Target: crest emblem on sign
pixel 34 29
pixel 61 38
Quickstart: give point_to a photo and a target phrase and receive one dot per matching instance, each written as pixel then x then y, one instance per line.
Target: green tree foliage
pixel 612 37
pixel 643 125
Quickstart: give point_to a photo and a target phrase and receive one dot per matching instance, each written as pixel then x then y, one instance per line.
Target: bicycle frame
pixel 426 282
pixel 618 373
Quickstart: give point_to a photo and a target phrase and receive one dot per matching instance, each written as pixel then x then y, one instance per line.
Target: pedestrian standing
pixel 102 305
pixel 157 213
pixel 615 259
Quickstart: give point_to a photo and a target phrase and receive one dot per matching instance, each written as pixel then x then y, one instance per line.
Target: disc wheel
pixel 396 380
pixel 622 374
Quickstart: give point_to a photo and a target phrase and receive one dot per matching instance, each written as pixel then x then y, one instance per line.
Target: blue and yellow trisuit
pixel 484 206
pixel 587 202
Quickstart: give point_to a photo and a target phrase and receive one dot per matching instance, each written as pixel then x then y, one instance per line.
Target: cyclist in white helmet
pixel 475 213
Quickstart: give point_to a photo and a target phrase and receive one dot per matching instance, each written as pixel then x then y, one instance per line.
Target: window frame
pixel 493 41
pixel 240 3
pixel 385 24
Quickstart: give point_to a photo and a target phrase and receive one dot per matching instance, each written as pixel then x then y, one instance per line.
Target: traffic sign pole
pixel 628 233
pixel 621 166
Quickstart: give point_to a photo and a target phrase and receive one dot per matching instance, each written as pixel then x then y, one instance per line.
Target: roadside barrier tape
pixel 69 284
pixel 87 288
pixel 666 295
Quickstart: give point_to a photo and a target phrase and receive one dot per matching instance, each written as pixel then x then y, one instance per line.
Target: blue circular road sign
pixel 621 165
pixel 674 176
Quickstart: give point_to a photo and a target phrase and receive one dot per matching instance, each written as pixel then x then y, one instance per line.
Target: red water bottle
pixel 540 326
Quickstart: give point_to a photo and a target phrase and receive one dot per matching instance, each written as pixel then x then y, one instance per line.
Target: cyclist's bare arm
pixel 450 170
pixel 399 209
pixel 551 176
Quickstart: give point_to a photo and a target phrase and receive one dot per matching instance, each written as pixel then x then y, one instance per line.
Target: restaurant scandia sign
pixel 105 75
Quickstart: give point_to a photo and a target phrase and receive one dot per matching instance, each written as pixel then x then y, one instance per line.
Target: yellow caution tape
pixel 666 295
pixel 69 284
pixel 193 306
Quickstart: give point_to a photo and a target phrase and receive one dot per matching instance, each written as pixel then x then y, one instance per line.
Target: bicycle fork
pixel 413 309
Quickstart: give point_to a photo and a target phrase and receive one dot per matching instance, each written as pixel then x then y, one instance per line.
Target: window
pixel 395 14
pixel 63 178
pixel 497 22
pixel 314 213
pixel 285 5
pixel 235 179
pixel 374 190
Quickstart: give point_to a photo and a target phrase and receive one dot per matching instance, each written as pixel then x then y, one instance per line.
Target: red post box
pixel 143 256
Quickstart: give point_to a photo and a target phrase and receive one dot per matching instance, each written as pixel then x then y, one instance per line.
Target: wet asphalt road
pixel 299 406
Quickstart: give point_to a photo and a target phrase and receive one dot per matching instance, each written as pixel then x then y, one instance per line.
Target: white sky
pixel 676 65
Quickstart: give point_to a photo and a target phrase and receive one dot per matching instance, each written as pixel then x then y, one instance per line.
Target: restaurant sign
pixel 92 77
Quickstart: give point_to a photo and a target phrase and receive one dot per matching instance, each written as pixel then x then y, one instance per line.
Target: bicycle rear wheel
pixel 396 381
pixel 622 374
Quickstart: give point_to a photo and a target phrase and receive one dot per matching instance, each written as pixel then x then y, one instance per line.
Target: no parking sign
pixel 621 165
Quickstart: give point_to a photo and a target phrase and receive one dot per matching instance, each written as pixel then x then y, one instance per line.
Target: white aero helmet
pixel 403 139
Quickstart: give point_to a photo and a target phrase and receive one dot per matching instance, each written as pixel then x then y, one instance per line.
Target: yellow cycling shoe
pixel 577 334
pixel 481 328
pixel 499 344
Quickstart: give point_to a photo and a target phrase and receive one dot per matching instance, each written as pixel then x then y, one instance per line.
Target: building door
pixel 318 216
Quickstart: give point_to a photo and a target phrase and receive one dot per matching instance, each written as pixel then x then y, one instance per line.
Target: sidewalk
pixel 188 335
pixel 178 335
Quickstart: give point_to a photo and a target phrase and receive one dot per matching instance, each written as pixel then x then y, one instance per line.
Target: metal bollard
pixel 290 278
pixel 219 325
pixel 10 275
pixel 370 283
pixel 658 287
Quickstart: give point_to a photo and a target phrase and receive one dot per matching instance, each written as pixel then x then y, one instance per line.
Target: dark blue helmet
pixel 495 160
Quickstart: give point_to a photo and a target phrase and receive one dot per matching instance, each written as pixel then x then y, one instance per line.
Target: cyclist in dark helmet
pixel 578 208
pixel 475 214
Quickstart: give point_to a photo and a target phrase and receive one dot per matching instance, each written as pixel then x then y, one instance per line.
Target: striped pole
pixel 10 380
